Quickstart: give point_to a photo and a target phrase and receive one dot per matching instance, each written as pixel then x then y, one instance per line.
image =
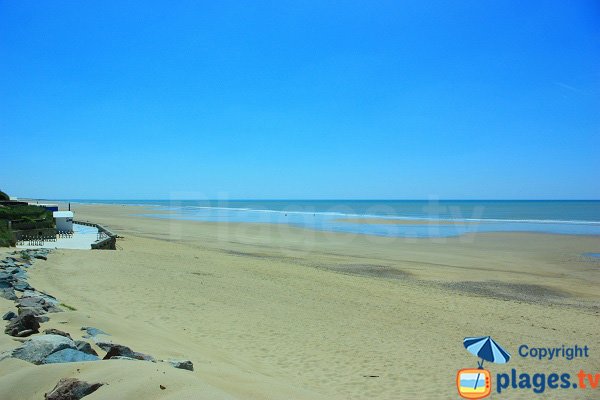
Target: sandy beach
pixel 276 312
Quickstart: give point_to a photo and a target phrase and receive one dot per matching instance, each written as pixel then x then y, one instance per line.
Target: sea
pixel 416 218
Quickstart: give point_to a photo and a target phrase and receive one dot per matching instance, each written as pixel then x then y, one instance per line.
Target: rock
pixel 69 355
pixel 26 320
pixel 25 333
pixel 117 350
pixel 16 273
pixel 36 349
pixel 182 364
pixel 6 284
pixel 8 293
pixel 9 263
pixel 38 293
pixel 91 331
pixel 105 345
pixel 9 315
pixel 37 304
pixel 40 257
pixel 71 389
pixel 4 355
pixel 85 347
pixel 42 318
pixel 22 286
pixel 53 331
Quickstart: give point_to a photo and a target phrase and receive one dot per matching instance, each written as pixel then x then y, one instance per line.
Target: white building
pixel 63 220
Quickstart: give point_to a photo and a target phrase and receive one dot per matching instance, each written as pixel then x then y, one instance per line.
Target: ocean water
pixel 441 218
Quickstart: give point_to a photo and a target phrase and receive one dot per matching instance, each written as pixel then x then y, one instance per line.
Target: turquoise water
pixel 594 255
pixel 561 217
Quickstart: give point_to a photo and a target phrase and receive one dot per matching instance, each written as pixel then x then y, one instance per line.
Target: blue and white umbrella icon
pixel 487 349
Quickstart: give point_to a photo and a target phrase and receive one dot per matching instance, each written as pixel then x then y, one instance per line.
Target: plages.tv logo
pixel 476 383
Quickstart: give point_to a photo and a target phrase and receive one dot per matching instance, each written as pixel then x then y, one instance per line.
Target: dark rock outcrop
pixel 21 285
pixel 37 304
pixel 117 350
pixel 182 364
pixel 25 321
pixel 85 347
pixel 71 389
pixel 9 315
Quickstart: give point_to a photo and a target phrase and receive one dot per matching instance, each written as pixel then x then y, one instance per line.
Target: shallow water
pixel 559 217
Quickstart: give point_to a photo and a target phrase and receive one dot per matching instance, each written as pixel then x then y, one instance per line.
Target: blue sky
pixel 389 100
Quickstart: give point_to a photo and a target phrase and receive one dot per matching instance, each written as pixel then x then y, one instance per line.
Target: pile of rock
pixel 32 305
pixel 13 274
pixel 54 346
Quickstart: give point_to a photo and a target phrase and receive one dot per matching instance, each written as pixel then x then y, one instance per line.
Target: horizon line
pixel 299 199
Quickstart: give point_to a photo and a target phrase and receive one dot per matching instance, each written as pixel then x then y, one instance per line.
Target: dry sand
pixel 275 312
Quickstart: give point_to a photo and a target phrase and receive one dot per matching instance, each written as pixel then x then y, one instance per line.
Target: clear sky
pixel 373 99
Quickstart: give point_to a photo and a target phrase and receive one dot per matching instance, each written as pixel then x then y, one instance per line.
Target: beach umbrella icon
pixel 487 349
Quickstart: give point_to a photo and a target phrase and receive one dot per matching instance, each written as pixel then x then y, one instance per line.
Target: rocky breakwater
pixel 34 308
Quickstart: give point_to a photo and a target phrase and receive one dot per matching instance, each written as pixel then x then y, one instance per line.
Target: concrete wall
pixel 107 243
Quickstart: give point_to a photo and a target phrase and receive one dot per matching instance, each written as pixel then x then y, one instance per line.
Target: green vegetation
pixel 27 217
pixel 21 217
pixel 68 307
pixel 7 239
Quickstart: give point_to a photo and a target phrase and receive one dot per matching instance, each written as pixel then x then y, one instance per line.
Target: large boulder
pixel 71 389
pixel 25 321
pixel 69 355
pixel 36 349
